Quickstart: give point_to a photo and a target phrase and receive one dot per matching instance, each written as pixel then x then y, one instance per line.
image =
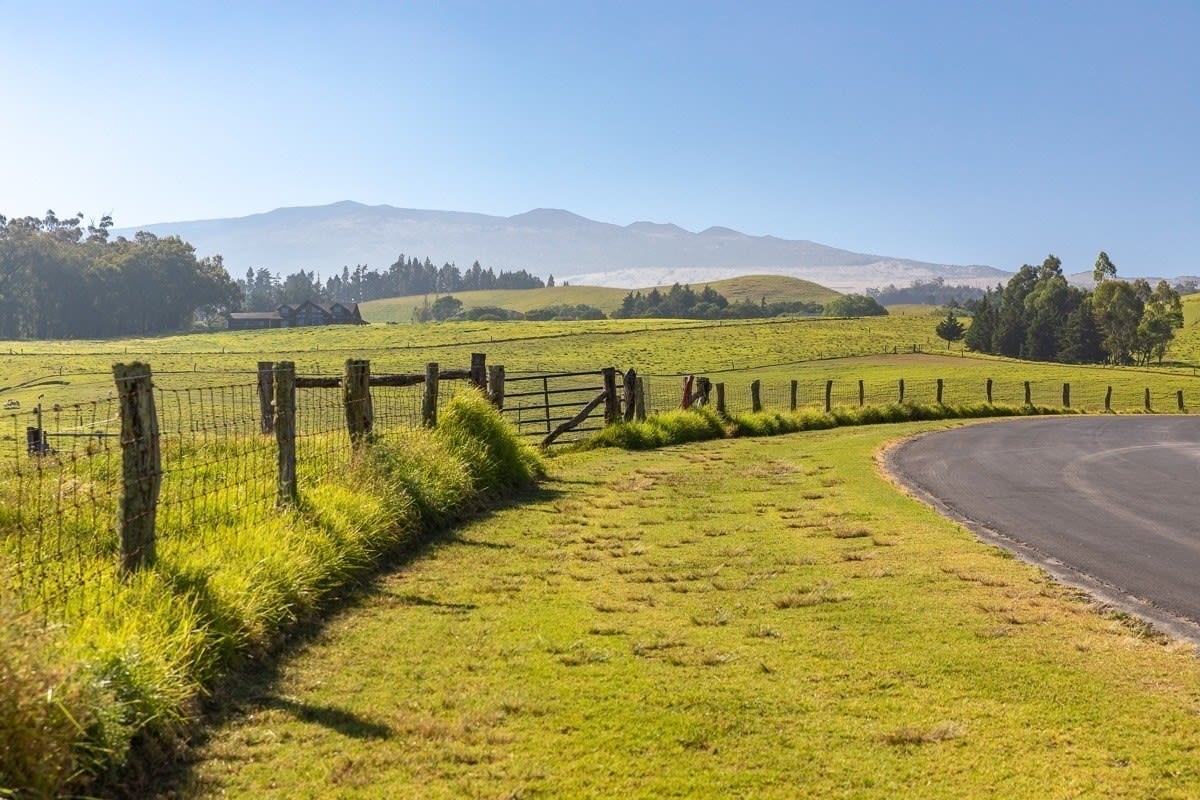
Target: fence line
pixel 222 459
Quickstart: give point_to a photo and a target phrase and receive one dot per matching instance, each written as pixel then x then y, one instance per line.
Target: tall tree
pixel 1104 269
pixel 950 329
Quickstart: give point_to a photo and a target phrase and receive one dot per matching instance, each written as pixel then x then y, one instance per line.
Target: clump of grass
pixel 907 736
pixel 660 430
pixel 767 423
pixel 43 710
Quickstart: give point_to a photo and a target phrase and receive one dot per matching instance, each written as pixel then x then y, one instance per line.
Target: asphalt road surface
pixel 1108 503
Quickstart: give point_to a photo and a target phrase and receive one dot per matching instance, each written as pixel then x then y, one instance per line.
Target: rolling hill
pixel 776 288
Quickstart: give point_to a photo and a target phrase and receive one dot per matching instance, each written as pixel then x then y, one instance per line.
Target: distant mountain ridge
pixel 543 241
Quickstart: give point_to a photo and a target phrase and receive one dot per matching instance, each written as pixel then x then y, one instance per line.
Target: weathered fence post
pixel 630 392
pixel 901 400
pixel 479 371
pixel 862 393
pixel 266 396
pixel 356 397
pixel 940 384
pixel 1108 399
pixel 721 399
pixel 612 402
pixel 639 403
pixel 546 402
pixel 756 395
pixel 1148 398
pixel 141 465
pixel 429 402
pixel 285 430
pixel 989 391
pixel 1028 394
pixel 1179 399
pixel 1066 395
pixel 795 391
pixel 828 396
pixel 496 385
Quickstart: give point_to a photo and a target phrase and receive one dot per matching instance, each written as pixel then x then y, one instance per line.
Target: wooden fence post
pixel 430 400
pixel 1028 394
pixel 989 391
pixel 1108 399
pixel 141 465
pixel 356 398
pixel 266 396
pixel 630 392
pixel 479 371
pixel 496 385
pixel 612 402
pixel 756 395
pixel 828 396
pixel 639 403
pixel 1148 398
pixel 1066 395
pixel 721 399
pixel 285 430
pixel 1179 399
pixel 795 391
pixel 940 384
pixel 862 393
pixel 901 390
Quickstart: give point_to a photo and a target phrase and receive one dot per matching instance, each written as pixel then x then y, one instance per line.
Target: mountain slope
pixel 542 241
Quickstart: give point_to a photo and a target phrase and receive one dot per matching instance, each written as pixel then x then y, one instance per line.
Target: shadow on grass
pixel 168 769
pixel 335 719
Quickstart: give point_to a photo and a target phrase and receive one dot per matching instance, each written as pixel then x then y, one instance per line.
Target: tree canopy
pixel 60 279
pixel 1039 316
pixel 684 302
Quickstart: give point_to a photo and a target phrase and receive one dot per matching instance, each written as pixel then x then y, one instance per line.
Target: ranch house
pixel 297 315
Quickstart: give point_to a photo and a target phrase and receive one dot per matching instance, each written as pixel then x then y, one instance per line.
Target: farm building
pixel 297 315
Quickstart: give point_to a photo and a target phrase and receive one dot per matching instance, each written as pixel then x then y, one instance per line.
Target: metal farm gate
pixel 562 406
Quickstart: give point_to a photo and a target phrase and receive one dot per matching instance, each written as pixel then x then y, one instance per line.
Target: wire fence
pixel 664 393
pixel 65 478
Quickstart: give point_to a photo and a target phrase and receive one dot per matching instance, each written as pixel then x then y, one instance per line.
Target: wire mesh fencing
pixel 93 491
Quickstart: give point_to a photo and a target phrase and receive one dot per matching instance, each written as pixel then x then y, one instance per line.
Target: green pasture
pixel 124 657
pixel 740 618
pixel 775 288
pixel 71 372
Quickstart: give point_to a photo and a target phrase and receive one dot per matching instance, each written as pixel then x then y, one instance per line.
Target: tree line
pixel 684 302
pixel 1039 316
pixel 264 291
pixel 62 279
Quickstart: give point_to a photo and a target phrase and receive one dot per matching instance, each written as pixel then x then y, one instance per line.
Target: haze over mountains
pixel 542 241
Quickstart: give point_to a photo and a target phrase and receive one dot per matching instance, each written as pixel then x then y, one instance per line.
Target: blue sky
pixel 958 132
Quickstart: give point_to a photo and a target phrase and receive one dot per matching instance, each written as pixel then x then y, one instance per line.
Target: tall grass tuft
pixel 765 423
pixel 659 430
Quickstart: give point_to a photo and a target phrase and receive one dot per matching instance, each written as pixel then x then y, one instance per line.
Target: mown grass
pixel 126 659
pixel 744 617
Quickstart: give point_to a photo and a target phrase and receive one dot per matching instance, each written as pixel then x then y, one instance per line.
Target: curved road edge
pixel 1109 597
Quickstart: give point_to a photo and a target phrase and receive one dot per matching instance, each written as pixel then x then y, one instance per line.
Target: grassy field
pixel 775 288
pixel 68 372
pixel 198 614
pixel 750 618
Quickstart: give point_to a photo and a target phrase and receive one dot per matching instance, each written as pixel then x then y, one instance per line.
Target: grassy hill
pixel 776 288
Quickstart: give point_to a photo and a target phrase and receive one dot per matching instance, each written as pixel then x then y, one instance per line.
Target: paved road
pixel 1110 503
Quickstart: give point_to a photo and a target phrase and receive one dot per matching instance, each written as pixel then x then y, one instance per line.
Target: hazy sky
pixel 957 132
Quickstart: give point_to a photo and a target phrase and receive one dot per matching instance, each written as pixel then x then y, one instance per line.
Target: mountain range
pixel 544 242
